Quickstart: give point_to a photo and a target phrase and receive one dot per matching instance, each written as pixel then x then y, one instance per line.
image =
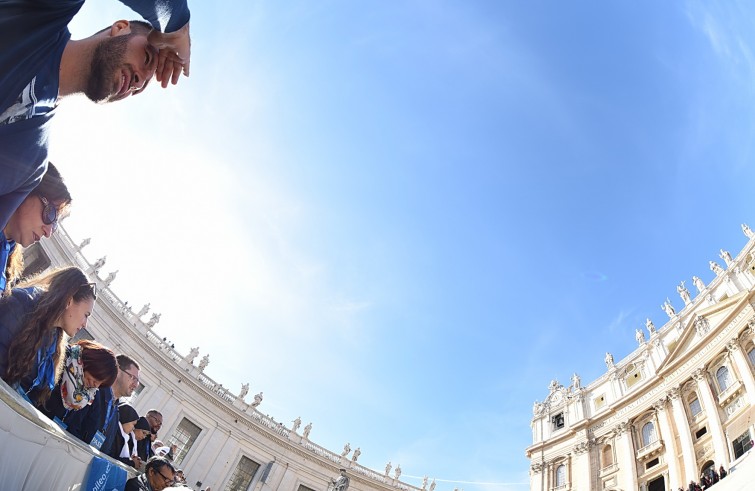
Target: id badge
pixel 97 440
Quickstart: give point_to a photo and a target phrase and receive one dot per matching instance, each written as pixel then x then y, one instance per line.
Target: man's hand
pixel 174 54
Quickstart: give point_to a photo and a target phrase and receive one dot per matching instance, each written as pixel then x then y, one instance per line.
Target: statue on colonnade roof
pixel 698 284
pixel 726 257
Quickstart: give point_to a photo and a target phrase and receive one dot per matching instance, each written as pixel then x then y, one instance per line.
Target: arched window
pixel 607 456
pixel 648 434
pixel 561 475
pixel 694 407
pixel 751 356
pixel 722 375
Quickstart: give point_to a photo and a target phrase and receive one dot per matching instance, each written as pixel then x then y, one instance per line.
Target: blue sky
pixel 401 220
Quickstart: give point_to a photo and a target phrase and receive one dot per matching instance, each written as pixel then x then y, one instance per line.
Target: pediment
pixel 701 326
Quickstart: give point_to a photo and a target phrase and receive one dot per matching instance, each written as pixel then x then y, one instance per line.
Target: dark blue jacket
pixel 86 422
pixel 33 34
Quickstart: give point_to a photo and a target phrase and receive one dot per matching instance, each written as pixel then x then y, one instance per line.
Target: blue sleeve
pixel 23 162
pixel 164 15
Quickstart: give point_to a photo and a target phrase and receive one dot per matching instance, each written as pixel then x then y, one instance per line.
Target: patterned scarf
pixel 74 393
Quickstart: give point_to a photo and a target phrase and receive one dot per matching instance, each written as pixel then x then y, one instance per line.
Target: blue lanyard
pixel 109 411
pixel 46 366
pixel 5 248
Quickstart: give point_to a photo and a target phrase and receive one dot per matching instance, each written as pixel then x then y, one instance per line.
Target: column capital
pixel 674 393
pixel 660 404
pixel 751 325
pixel 582 447
pixel 699 375
pixel 732 345
pixel 621 428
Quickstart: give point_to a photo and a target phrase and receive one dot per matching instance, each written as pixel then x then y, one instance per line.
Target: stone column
pixel 581 472
pixel 669 443
pixel 628 459
pixel 743 367
pixel 710 406
pixel 682 426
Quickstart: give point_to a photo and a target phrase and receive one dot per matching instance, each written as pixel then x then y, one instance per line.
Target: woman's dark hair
pixel 59 287
pixel 99 362
pixel 55 191
pixel 13 269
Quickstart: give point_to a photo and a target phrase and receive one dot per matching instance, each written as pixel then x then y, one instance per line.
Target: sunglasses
pixel 91 286
pixel 49 213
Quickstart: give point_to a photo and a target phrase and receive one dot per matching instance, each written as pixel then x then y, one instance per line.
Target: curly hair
pixel 38 326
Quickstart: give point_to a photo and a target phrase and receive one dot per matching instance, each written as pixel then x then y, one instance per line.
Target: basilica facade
pixel 223 439
pixel 682 403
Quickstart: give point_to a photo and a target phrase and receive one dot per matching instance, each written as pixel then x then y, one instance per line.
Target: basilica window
pixel 243 474
pixel 558 421
pixel 606 456
pixel 751 356
pixel 694 407
pixel 600 401
pixel 648 434
pixel 742 444
pixel 723 378
pixel 634 375
pixel 184 437
pixel 561 475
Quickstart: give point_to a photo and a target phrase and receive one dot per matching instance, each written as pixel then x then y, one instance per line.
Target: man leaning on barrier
pixel 39 64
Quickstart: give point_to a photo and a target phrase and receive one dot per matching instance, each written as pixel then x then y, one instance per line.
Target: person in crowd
pixel 96 424
pixel 144 449
pixel 168 451
pixel 88 366
pixel 158 475
pixel 722 472
pixel 124 448
pixel 39 64
pixel 141 429
pixel 37 217
pixel 35 322
pixel 180 478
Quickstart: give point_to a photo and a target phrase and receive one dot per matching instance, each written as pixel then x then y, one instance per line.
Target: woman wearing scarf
pixel 132 428
pixel 35 322
pixel 87 367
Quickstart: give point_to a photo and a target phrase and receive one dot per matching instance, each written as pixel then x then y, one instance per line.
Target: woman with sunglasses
pixel 37 217
pixel 35 323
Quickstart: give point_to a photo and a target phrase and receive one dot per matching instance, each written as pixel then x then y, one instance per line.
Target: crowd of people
pixel 79 385
pixel 708 478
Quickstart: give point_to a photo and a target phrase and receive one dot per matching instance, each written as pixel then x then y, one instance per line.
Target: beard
pixel 107 58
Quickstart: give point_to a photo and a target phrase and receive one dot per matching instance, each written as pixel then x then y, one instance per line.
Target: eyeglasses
pixel 49 213
pixel 168 480
pixel 134 378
